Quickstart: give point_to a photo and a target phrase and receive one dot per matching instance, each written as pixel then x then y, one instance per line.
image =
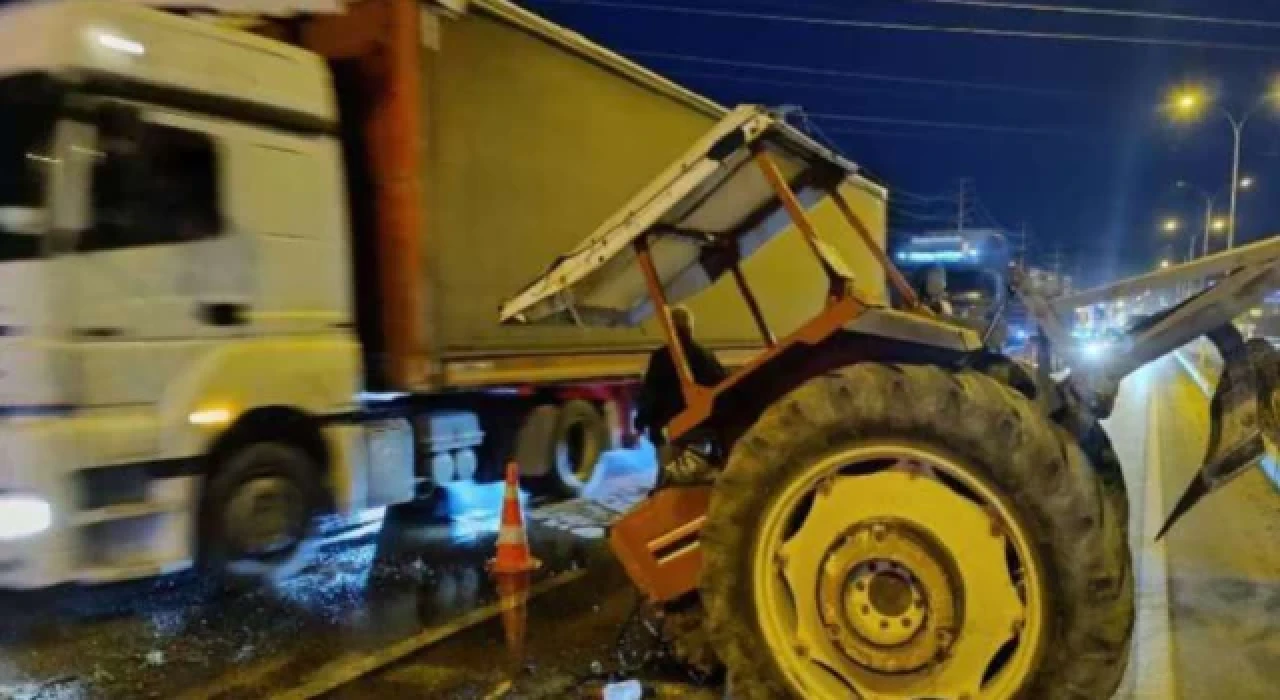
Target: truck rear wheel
pixel 258 514
pixel 906 532
pixel 580 438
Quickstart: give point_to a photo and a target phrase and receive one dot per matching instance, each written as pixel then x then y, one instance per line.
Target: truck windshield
pixel 26 122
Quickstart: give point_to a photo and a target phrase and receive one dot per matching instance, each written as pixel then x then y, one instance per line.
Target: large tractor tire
pixel 908 532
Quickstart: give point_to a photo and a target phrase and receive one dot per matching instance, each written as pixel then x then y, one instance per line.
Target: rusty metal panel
pixel 657 542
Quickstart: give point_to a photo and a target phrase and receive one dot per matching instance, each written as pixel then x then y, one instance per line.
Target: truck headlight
pixel 23 515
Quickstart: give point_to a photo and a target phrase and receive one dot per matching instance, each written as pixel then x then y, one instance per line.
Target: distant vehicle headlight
pixel 23 515
pixel 1095 350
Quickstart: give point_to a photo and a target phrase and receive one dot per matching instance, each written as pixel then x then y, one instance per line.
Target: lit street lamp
pixel 1212 224
pixel 1188 103
pixel 1171 226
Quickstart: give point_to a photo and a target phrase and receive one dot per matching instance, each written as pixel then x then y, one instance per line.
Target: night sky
pixel 1065 136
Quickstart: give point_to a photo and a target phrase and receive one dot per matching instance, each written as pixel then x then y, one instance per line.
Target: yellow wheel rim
pixel 887 571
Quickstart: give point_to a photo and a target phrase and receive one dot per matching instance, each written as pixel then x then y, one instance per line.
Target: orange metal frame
pixel 657 542
pixel 843 303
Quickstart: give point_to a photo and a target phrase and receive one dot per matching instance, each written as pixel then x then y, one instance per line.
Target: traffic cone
pixel 513 556
pixel 512 568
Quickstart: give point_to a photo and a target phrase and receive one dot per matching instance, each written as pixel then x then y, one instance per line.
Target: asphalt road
pixel 1224 561
pixel 384 596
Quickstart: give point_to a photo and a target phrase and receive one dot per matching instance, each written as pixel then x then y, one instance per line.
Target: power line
pixel 1106 12
pixel 930 123
pixel 922 135
pixel 780 82
pixel 1112 39
pixel 929 218
pixel 924 198
pixel 858 75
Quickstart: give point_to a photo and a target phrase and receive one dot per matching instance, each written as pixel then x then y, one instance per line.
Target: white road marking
pixel 1194 373
pixel 1152 659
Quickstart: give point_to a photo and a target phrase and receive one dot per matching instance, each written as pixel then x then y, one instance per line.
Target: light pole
pixel 1187 103
pixel 1172 226
pixel 1212 225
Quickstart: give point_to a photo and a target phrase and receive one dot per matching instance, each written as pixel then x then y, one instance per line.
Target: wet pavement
pixel 408 612
pixel 404 588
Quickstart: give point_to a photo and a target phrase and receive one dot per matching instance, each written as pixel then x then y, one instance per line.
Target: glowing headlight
pixel 1095 349
pixel 23 516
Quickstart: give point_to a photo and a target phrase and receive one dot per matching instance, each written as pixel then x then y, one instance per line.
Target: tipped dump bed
pixel 535 138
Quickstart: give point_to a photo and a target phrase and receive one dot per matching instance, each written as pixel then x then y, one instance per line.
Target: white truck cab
pixel 172 222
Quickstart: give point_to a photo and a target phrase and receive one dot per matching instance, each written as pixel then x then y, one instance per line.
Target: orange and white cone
pixel 513 566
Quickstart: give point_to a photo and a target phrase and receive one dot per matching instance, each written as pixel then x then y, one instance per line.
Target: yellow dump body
pixel 532 136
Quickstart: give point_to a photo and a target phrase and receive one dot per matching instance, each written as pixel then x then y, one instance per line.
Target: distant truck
pixel 249 278
pixel 975 262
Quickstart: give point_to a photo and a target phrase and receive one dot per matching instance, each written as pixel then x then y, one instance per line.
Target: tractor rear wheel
pixel 908 532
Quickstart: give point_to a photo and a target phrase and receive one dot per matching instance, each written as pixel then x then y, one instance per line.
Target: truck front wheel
pixel 905 532
pixel 257 514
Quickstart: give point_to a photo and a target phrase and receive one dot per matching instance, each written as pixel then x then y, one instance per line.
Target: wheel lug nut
pixel 944 638
pixel 879 531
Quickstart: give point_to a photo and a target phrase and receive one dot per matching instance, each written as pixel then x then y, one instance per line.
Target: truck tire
pixel 580 438
pixel 534 448
pixel 258 514
pixel 905 532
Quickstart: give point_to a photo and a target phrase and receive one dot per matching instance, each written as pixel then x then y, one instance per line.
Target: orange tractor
pixel 877 505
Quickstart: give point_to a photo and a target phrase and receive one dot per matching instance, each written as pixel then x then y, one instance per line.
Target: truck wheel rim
pixel 892 571
pixel 265 516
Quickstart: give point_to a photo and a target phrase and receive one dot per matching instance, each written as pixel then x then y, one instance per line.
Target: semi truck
pixel 250 267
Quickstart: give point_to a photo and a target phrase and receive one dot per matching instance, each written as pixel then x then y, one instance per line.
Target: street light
pixel 1211 223
pixel 1170 225
pixel 1164 264
pixel 1189 101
